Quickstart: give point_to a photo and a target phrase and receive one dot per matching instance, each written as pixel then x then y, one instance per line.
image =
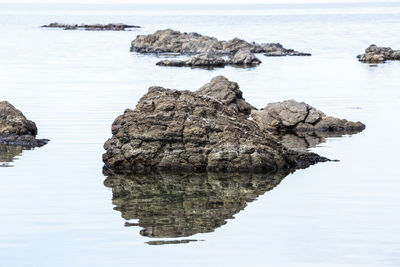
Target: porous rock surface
pixel 172 130
pixel 376 54
pixel 16 129
pixel 228 93
pixel 301 117
pixel 170 41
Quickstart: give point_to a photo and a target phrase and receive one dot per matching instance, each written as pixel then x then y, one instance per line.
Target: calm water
pixel 58 209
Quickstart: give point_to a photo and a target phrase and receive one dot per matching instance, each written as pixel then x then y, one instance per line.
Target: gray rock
pixel 174 130
pixel 203 60
pixel 244 57
pixel 15 129
pixel 300 117
pixel 228 93
pixel 92 27
pixel 375 54
pixel 170 41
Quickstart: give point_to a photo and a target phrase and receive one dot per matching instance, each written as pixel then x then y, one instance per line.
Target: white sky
pixel 191 2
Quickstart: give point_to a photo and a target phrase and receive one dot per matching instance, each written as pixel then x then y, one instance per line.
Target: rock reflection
pixel 8 154
pixel 301 141
pixel 170 206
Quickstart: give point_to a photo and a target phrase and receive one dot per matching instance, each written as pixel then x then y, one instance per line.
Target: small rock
pixel 375 54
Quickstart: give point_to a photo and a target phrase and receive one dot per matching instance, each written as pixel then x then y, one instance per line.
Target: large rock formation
pixel 375 54
pixel 298 116
pixel 174 130
pixel 170 41
pixel 174 206
pixel 228 93
pixel 15 129
pixel 91 27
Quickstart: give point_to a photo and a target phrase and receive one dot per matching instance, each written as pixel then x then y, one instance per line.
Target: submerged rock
pixel 375 54
pixel 301 117
pixel 170 41
pixel 16 129
pixel 227 92
pixel 172 206
pixel 91 27
pixel 173 130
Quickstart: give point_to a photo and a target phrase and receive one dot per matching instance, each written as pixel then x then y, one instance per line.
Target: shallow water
pixel 55 209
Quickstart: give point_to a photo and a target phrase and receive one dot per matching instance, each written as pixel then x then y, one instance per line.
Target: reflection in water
pixel 169 242
pixel 8 154
pixel 301 141
pixel 169 206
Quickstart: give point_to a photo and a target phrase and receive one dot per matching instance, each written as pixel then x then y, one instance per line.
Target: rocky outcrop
pixel 173 206
pixel 228 93
pixel 174 130
pixel 208 60
pixel 91 27
pixel 15 129
pixel 170 41
pixel 244 57
pixel 375 54
pixel 291 115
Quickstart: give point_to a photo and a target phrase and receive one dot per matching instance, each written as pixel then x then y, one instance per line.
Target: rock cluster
pixel 375 54
pixel 174 130
pixel 300 117
pixel 15 129
pixel 91 27
pixel 242 58
pixel 209 49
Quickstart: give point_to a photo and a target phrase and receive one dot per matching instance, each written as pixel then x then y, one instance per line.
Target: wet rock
pixel 301 117
pixel 375 54
pixel 15 129
pixel 228 93
pixel 91 27
pixel 202 60
pixel 170 41
pixel 172 205
pixel 173 130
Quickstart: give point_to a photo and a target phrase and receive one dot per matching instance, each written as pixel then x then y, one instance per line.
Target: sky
pixel 189 2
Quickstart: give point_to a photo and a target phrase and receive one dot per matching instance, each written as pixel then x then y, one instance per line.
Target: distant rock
pixel 173 130
pixel 240 52
pixel 170 41
pixel 91 27
pixel 229 93
pixel 375 54
pixel 298 116
pixel 242 58
pixel 15 129
pixel 202 60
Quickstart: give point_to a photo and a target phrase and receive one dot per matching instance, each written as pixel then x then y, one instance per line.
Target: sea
pixel 57 208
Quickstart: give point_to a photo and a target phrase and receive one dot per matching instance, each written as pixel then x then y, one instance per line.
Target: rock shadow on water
pixel 181 205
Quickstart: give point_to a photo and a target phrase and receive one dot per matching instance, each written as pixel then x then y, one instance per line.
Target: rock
pixel 91 27
pixel 170 41
pixel 203 60
pixel 15 129
pixel 177 131
pixel 244 57
pixel 172 205
pixel 375 54
pixel 228 93
pixel 291 115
